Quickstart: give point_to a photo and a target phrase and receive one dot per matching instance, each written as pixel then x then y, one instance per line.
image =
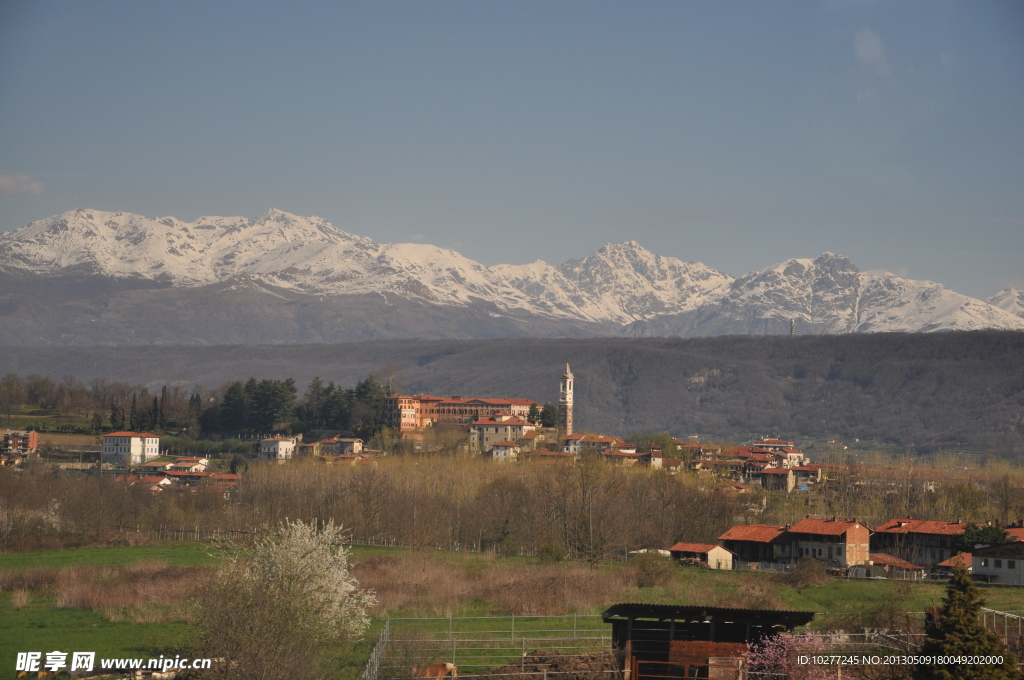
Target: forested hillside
pixel 925 391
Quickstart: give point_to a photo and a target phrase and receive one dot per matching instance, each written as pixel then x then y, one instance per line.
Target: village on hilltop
pixel 519 430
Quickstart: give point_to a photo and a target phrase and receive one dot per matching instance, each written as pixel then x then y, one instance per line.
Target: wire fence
pixel 494 646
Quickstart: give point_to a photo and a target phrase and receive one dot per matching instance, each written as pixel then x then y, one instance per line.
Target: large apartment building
pixel 130 448
pixel 19 442
pixel 410 414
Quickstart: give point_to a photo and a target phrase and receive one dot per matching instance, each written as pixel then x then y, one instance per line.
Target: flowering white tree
pixel 283 609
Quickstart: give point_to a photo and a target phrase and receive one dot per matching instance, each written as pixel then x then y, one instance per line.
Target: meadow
pixel 132 601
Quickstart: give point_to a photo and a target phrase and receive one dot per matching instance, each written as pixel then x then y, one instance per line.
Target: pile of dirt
pixel 561 667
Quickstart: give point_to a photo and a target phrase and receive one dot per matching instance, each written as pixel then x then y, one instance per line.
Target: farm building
pixel 715 556
pixel 659 641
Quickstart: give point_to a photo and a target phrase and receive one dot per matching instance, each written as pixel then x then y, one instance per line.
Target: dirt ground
pixel 560 667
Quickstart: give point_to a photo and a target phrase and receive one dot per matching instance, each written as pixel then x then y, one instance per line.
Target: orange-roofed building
pixel 412 413
pixel 836 541
pixel 19 442
pixel 945 567
pixel 756 542
pixel 486 432
pixel 715 556
pixel 921 541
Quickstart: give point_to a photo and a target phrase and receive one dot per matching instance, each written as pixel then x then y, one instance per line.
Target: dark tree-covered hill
pixel 927 391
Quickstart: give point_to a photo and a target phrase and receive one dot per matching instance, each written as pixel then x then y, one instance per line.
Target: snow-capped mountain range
pixel 621 287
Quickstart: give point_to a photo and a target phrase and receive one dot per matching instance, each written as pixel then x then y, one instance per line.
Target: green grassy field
pixel 186 554
pixel 42 626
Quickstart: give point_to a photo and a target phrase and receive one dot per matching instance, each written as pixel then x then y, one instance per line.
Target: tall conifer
pixel 961 633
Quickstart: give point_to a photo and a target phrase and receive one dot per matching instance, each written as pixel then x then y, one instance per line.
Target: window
pixel 999 564
pixel 984 562
pixel 1011 564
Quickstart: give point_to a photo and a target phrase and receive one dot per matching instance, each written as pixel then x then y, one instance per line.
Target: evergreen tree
pixel 534 415
pixel 116 415
pixel 234 410
pixel 133 415
pixel 986 535
pixel 161 418
pixel 549 416
pixel 154 414
pixel 960 633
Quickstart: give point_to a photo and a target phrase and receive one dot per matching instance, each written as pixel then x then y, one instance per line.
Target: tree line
pixel 589 511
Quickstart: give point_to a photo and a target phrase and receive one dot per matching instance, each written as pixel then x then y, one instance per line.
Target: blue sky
pixel 735 134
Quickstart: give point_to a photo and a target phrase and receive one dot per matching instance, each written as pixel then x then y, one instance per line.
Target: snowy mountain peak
pixel 1009 300
pixel 620 283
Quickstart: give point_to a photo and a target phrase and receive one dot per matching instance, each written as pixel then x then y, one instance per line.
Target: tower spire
pixel 565 402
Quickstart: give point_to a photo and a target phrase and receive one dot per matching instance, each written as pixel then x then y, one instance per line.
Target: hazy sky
pixel 735 134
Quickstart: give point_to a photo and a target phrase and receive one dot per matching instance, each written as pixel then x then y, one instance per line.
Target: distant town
pixel 524 431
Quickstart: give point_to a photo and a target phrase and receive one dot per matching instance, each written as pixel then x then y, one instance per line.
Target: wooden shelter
pixel 657 641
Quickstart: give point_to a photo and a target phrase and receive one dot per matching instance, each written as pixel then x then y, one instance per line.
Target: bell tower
pixel 565 402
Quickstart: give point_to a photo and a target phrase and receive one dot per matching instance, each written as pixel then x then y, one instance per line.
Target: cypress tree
pixel 133 414
pixel 960 633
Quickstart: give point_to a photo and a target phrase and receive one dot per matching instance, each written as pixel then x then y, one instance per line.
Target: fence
pixel 480 645
pixel 217 534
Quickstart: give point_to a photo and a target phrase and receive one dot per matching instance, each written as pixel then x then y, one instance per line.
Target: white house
pixel 130 448
pixel 504 450
pixel 277 448
pixel 999 563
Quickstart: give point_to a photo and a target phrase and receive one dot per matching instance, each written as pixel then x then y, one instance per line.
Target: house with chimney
pixel 838 542
pixel 920 541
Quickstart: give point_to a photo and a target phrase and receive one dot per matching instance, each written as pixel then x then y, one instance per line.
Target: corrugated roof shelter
pixel 659 641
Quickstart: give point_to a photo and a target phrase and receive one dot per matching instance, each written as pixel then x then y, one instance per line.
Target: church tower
pixel 565 403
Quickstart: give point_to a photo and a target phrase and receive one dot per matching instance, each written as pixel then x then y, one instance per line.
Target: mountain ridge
pixel 618 289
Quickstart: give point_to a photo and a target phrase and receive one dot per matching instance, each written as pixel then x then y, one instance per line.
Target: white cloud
pixel 20 184
pixel 868 47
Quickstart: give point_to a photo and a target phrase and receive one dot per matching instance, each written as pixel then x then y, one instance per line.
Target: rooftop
pixel 827 527
pixel 693 547
pixel 922 526
pixel 760 533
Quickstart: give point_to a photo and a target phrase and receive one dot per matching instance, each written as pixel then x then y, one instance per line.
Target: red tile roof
pixel 692 547
pixel 892 561
pixel 1016 533
pixel 760 533
pixel 775 471
pixel 508 420
pixel 963 559
pixel 921 526
pixel 826 527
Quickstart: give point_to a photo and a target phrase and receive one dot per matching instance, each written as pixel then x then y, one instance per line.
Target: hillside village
pixel 523 431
